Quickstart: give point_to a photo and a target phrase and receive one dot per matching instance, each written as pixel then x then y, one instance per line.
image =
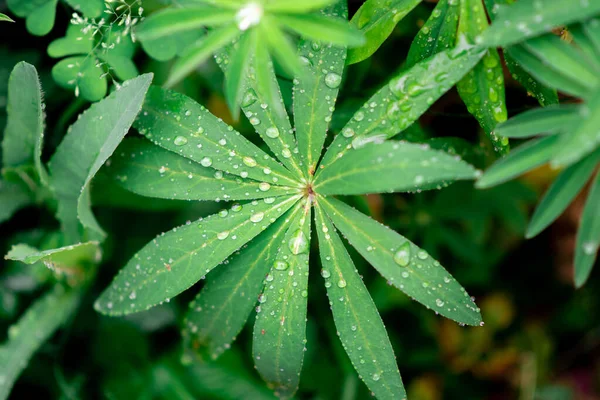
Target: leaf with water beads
pixel 562 191
pixel 280 327
pixel 179 124
pixel 588 236
pixel 482 88
pixel 315 92
pixel 36 326
pixel 377 19
pixel 148 170
pixel 391 166
pixel 93 138
pixel 404 99
pixel 176 260
pixel 237 71
pixel 525 19
pixel 358 323
pixel 24 132
pixel 402 263
pixel 219 312
pixel 540 121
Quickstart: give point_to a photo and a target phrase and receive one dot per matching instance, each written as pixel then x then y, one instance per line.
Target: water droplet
pixel 422 254
pixel 257 217
pixel 333 80
pixel 180 141
pixel 341 283
pixel 206 162
pixel 439 302
pixel 348 132
pixel 402 255
pixel 589 248
pixel 375 377
pixel 264 186
pixel 222 235
pixel 298 243
pixel 325 274
pixel 272 132
pixel 262 298
pixel 254 121
pixel 236 207
pixel 249 161
pixel 280 265
pixel 359 116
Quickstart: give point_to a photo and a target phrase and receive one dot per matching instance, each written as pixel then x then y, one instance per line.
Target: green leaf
pixel 5 18
pixel 89 8
pixel 176 260
pixel 280 327
pixel 482 89
pixel 82 75
pixel 179 124
pixel 13 197
pixel 149 170
pixel 39 14
pixel 358 323
pixel 403 100
pixel 92 138
pixel 36 326
pixel 24 132
pixel 437 34
pixel 237 71
pixel 585 136
pixel 297 7
pixel 391 167
pixel 167 47
pixel 280 46
pixel 592 31
pixel 377 19
pixel 217 315
pixel 73 43
pixel 402 263
pixel 176 20
pixel 315 93
pixel 121 67
pixel 197 53
pixel 524 158
pixel 323 29
pixel 525 19
pixel 545 94
pixel 588 236
pixel 561 193
pixel 540 121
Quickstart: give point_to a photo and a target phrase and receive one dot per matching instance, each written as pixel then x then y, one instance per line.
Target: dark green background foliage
pixel 216 199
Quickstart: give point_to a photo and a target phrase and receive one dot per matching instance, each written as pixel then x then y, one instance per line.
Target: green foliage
pixel 5 18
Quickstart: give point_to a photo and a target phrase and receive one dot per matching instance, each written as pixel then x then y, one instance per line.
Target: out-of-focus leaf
pixel 13 196
pixel 540 121
pixel 39 14
pixel 588 236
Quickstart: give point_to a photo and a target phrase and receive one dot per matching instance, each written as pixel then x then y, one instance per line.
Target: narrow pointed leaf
pixel 524 158
pixel 563 190
pixel 282 49
pixel 149 170
pixel 176 260
pixel 5 18
pixel 323 29
pixel 377 19
pixel 525 19
pixel 545 94
pixel 403 264
pixel 197 53
pixel 437 34
pixel 540 121
pixel 585 136
pixel 36 326
pixel 588 235
pixel 179 124
pixel 220 310
pixel 315 93
pixel 404 99
pixel 297 7
pixel 238 71
pixel 176 20
pixel 592 30
pixel 358 323
pixel 482 89
pixel 391 167
pixel 24 132
pixel 93 138
pixel 280 327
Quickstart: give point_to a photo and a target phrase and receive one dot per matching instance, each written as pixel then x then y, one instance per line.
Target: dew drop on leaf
pixel 180 141
pixel 333 80
pixel 402 255
pixel 298 243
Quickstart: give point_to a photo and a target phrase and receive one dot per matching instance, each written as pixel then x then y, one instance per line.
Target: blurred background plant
pixel 541 339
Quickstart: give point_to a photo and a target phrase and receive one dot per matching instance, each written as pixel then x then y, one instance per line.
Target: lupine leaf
pixel 588 236
pixel 524 158
pixel 176 20
pixel 585 136
pixel 401 102
pixel 563 190
pixel 391 167
pixel 540 121
pixel 282 49
pixel 36 326
pixel 238 71
pixel 221 309
pixel 179 124
pixel 13 196
pixel 525 19
pixel 592 30
pixel 167 47
pixel 176 260
pixel 5 18
pixel 356 318
pixel 149 170
pixel 321 28
pixel 24 132
pixel 437 34
pixel 93 138
pixel 197 53
pixel 402 263
pixel 315 93
pixel 482 89
pixel 280 327
pixel 293 6
pixel 377 19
